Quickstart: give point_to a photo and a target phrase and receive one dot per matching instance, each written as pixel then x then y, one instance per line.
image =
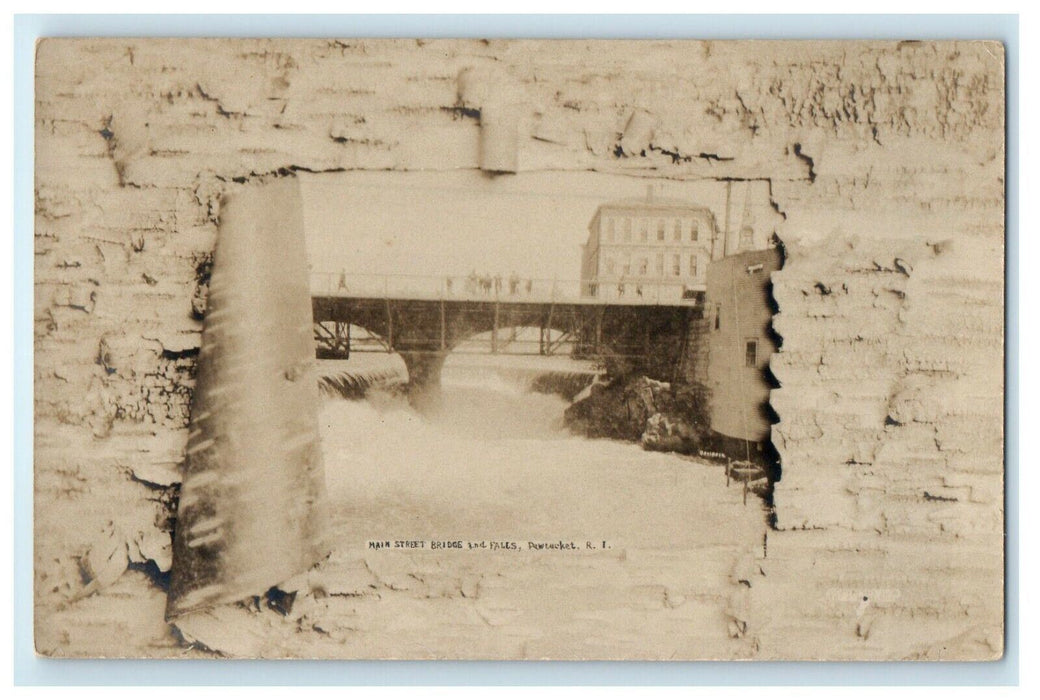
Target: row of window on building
pixel 664 266
pixel 642 229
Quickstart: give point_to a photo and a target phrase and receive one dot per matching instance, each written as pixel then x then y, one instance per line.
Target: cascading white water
pixel 483 460
pixel 472 441
pixel 484 457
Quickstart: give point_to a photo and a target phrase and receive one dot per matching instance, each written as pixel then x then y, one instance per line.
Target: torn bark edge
pixel 775 466
pixel 218 529
pixel 495 99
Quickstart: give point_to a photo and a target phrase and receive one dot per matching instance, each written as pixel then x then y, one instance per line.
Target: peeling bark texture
pixel 252 505
pixel 885 160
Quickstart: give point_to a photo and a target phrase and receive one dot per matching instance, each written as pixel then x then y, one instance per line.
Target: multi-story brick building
pixel 647 246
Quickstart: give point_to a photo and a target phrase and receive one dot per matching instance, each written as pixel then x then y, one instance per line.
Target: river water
pixel 481 493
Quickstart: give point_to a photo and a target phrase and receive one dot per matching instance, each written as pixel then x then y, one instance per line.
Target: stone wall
pixel 694 368
pixel 885 159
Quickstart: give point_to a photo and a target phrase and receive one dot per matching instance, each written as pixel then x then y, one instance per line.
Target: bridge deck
pixel 637 292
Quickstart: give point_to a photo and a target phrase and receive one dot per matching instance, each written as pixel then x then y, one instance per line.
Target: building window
pixel 747 237
pixel 628 266
pixel 643 229
pixel 676 265
pixel 660 264
pixel 660 230
pixel 718 316
pixel 751 353
pixel 677 234
pixel 694 233
pixel 643 263
pixel 694 268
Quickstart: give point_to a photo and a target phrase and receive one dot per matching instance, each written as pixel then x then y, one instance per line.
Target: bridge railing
pixel 504 289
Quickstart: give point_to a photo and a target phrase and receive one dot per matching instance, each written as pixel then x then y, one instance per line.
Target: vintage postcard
pixel 459 349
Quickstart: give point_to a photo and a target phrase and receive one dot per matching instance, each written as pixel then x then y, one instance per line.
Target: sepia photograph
pixel 519 349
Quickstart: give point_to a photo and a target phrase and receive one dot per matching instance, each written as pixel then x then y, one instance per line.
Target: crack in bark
pixel 807 160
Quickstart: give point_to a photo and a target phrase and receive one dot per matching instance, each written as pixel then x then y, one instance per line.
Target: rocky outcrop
pixel 661 416
pixel 566 385
pixel 670 432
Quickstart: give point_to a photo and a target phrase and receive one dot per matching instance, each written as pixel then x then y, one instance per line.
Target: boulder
pixel 659 415
pixel 667 432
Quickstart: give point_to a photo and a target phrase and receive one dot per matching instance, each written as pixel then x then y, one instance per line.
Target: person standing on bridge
pixel 342 280
pixel 514 284
pixel 498 284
